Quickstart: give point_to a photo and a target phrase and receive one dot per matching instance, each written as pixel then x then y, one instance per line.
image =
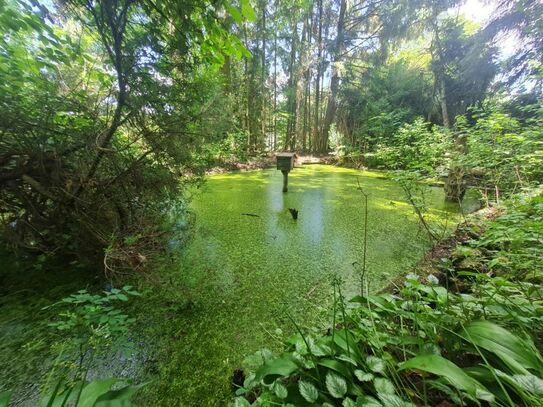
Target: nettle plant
pixel 424 346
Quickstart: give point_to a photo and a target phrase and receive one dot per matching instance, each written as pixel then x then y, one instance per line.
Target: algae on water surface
pixel 231 289
pixel 241 273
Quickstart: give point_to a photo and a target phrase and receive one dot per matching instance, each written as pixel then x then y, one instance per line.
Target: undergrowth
pixel 465 335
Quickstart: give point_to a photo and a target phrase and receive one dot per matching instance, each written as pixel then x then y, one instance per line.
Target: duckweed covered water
pixel 244 275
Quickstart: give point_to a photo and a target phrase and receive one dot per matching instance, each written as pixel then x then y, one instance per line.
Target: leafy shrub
pixel 91 150
pixel 90 319
pixel 415 146
pixel 511 245
pixel 503 154
pixel 97 393
pixel 423 346
pixel 87 325
pixel 231 149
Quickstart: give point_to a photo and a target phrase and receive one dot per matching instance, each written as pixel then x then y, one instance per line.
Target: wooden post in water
pixel 285 180
pixel 285 163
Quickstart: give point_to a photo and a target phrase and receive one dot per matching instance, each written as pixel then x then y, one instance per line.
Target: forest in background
pixel 325 74
pixel 107 105
pixel 112 112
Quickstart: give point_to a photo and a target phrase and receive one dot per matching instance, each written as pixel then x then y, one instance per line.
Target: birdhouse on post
pixel 285 163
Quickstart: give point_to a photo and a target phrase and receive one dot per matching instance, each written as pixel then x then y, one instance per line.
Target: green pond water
pixel 241 274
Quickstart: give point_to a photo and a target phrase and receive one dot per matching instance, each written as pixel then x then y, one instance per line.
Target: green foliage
pixel 522 18
pixel 415 146
pixel 423 345
pixel 92 318
pixel 86 327
pixel 415 189
pixel 97 393
pixel 378 358
pixel 463 63
pixel 229 150
pixel 89 324
pixel 502 152
pixel 93 144
pixel 511 245
pixel 4 398
pixel 378 101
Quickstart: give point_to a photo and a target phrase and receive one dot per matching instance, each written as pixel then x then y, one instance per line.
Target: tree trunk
pixel 316 126
pixel 116 25
pixel 331 108
pixel 292 97
pixel 275 78
pixel 455 186
pixel 263 93
pixel 443 101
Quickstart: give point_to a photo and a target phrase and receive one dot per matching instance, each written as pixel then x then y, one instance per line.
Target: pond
pixel 250 269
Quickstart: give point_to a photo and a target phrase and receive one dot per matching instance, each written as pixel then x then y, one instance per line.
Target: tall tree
pixel 292 87
pixel 336 54
pixel 523 19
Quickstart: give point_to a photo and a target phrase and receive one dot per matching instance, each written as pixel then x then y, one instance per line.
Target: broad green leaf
pixel 308 391
pixel 512 350
pixel 118 397
pixel 391 400
pixel 280 390
pixel 347 402
pixel 383 386
pixel 93 390
pixel 346 358
pixel 282 366
pixel 4 398
pixel 336 385
pixel 235 13
pixel 249 381
pixel 440 366
pixel 335 365
pixel 375 364
pixel 530 383
pixel 344 340
pixel 367 401
pixel 363 376
pixel 247 10
pixel 241 402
